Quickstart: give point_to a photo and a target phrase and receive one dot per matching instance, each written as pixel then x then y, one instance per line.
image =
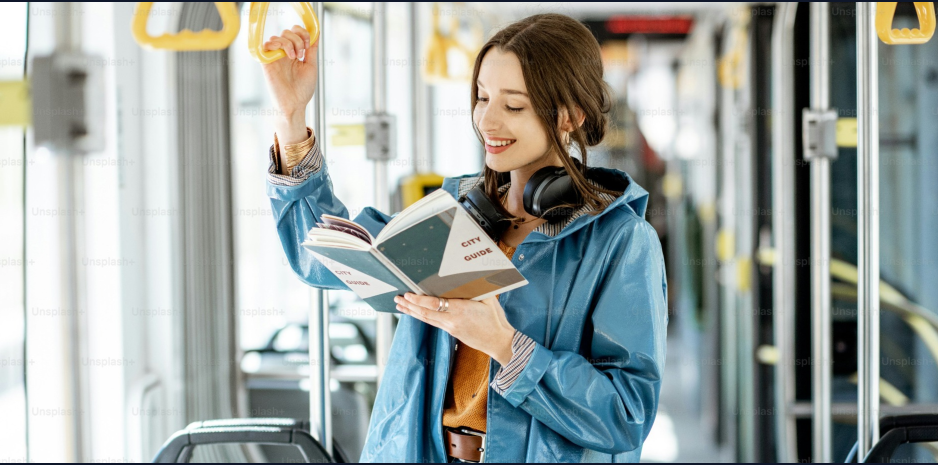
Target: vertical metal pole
pixel 423 162
pixel 783 232
pixel 820 242
pixel 867 229
pixel 71 174
pixel 729 320
pixel 382 200
pixel 320 375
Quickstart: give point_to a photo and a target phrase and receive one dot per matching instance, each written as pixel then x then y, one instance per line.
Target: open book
pixel 432 248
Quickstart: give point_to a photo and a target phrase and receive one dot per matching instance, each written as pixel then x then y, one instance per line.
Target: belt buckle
pixel 463 430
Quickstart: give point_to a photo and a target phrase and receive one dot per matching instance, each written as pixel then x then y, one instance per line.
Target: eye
pixel 514 110
pixel 482 99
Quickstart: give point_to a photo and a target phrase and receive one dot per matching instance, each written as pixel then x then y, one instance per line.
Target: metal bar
pixel 320 394
pixel 68 23
pixel 729 384
pixel 821 243
pixel 423 162
pixel 783 232
pixel 867 229
pixel 847 411
pixel 384 329
pixel 745 244
pixel 71 173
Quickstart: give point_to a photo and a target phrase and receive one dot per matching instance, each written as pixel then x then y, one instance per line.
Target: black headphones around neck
pixel 549 187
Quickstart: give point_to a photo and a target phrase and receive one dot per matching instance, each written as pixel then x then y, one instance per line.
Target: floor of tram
pixel 679 433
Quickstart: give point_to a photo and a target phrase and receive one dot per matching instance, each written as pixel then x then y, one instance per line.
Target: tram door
pixel 909 316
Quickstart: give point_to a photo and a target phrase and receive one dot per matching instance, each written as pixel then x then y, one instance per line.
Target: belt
pixel 465 444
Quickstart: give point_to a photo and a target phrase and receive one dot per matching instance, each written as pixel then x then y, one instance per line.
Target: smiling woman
pixel 545 372
pixel 533 109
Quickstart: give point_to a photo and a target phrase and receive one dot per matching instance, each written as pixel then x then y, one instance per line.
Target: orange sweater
pixel 468 389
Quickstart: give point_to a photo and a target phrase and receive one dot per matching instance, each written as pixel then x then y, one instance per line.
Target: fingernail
pixel 292 55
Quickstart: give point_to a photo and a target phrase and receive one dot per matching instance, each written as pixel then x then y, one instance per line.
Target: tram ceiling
pixel 602 9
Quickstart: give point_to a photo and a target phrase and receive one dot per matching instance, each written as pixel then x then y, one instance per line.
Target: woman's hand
pixel 479 324
pixel 291 81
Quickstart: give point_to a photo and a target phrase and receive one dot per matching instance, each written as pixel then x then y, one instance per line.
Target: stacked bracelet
pixel 293 153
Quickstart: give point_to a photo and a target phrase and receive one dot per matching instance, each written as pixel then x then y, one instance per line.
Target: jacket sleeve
pixel 608 401
pixel 298 201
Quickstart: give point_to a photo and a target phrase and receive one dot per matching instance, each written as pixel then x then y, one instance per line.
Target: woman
pixel 565 369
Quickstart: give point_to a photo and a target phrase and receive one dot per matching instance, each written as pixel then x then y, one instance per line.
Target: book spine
pixel 393 269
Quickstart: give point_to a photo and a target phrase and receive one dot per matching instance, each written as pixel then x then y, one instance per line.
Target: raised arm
pixel 298 201
pixel 298 182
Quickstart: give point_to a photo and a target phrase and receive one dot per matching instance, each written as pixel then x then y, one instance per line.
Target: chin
pixel 499 164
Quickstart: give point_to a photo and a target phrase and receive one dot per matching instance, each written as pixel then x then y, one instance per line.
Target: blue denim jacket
pixel 596 306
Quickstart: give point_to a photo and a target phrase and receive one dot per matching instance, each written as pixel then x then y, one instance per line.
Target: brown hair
pixel 562 68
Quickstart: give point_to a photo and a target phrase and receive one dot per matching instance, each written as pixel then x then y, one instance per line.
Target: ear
pixel 566 124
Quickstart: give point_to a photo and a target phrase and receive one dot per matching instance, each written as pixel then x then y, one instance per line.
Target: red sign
pixel 649 24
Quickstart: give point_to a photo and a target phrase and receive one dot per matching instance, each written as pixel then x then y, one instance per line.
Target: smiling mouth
pixel 500 143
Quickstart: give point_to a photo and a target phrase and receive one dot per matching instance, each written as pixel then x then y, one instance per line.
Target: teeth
pixel 499 143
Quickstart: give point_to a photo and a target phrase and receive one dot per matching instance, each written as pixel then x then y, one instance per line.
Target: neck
pixel 514 202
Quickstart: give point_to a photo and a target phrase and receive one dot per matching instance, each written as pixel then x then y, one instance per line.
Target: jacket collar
pixel 633 197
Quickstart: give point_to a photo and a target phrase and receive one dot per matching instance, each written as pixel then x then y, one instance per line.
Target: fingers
pixel 426 301
pixel 279 43
pixel 431 317
pixel 303 34
pixel 299 45
pixel 293 42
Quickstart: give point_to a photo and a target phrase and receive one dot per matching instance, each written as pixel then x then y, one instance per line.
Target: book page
pixel 347 230
pixel 431 205
pixel 332 238
pixel 339 221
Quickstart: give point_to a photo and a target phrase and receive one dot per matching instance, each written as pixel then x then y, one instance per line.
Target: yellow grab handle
pixel 730 71
pixel 436 68
pixel 258 16
pixel 187 40
pixel 926 22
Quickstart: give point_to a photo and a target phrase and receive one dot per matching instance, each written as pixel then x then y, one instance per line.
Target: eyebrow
pixel 505 91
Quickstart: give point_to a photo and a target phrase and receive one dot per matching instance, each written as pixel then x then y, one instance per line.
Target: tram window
pixel 269 295
pixel 12 212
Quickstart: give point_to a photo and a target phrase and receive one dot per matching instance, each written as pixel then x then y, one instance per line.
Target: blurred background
pixel 144 286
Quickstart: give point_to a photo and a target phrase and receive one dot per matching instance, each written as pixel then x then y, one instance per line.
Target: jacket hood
pixel 633 197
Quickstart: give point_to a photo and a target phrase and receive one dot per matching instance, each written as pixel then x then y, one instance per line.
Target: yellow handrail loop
pixel 926 24
pixel 187 40
pixel 257 18
pixel 436 63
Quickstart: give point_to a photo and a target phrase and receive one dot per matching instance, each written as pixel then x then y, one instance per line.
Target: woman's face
pixel 504 115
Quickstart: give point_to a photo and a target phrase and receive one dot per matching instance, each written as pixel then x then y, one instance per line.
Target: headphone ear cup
pixel 481 208
pixel 548 187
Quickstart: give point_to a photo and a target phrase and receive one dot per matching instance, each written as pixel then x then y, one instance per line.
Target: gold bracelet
pixel 294 153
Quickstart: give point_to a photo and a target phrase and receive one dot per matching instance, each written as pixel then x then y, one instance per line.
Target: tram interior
pixel 144 286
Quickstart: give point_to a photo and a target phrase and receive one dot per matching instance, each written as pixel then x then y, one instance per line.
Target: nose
pixel 487 120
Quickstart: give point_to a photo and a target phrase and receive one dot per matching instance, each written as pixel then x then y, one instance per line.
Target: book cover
pixel 432 248
pixel 364 274
pixel 448 255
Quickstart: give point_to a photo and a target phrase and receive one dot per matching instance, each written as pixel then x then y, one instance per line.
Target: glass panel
pixel 12 213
